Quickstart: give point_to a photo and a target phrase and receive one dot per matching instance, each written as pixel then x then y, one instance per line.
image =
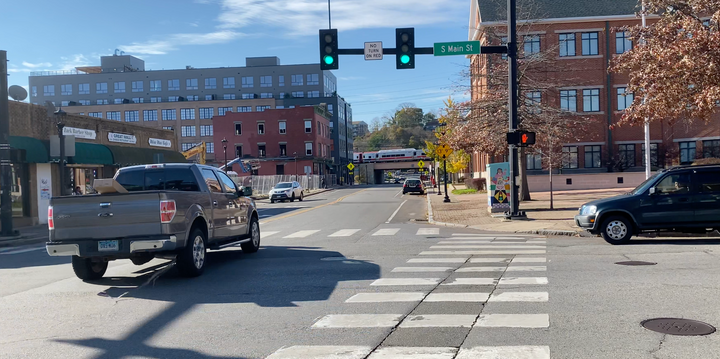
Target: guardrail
pixel 263 184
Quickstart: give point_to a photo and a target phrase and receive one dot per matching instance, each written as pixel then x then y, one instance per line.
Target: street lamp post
pixel 224 143
pixel 5 166
pixel 447 198
pixel 60 120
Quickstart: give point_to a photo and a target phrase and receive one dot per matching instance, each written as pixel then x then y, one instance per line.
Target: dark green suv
pixel 681 199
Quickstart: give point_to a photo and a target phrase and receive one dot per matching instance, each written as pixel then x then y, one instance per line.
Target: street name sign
pixel 373 50
pixel 456 48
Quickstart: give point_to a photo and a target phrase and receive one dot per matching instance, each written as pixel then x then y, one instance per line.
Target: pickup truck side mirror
pixel 652 191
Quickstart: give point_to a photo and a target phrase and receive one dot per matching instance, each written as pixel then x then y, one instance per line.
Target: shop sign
pixel 122 138
pixel 159 142
pixel 79 133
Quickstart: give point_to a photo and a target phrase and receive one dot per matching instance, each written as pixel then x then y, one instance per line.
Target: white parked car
pixel 285 191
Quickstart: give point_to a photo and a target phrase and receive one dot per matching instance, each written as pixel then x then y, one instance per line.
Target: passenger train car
pixel 389 155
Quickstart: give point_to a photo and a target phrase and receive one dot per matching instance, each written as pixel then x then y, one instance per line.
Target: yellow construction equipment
pixel 198 150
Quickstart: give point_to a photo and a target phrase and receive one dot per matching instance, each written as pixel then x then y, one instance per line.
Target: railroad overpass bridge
pixel 374 171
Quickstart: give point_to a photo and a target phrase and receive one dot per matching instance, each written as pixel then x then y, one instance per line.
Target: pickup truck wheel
pixel 254 244
pixel 191 261
pixel 87 269
pixel 617 230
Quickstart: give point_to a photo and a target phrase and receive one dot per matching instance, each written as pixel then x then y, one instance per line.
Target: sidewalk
pixel 470 210
pixel 28 235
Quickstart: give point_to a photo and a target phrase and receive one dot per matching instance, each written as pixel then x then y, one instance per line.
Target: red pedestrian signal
pixel 521 138
pixel 524 138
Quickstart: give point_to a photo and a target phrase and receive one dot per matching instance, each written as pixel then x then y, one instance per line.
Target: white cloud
pixel 161 47
pixel 351 78
pixel 34 66
pixel 304 17
pixel 71 62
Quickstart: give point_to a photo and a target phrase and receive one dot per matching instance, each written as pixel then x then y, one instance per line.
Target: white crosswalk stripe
pixel 519 297
pixel 268 233
pixel 302 234
pixel 358 321
pixel 502 269
pixel 405 281
pixel 427 231
pixel 386 297
pixel 528 260
pixel 513 320
pixel 438 321
pixel 386 232
pixel 522 280
pixel 457 297
pixel 472 281
pixel 490 246
pixel 437 260
pixel 321 352
pixel 344 233
pixel 421 269
pixel 479 252
pixel 508 352
pixel 490 260
pixel 414 353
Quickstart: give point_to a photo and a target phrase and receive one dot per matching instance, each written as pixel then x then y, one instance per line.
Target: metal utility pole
pixel 60 117
pixel 5 165
pixel 513 106
pixel 347 156
pixel 329 20
pixel 447 198
pixel 648 165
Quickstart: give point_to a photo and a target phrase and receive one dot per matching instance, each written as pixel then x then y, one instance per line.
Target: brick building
pixel 284 141
pixel 584 40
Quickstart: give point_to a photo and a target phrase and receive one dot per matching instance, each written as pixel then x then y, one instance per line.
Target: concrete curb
pixel 433 222
pixel 21 241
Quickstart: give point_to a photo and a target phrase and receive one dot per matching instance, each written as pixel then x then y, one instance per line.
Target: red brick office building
pixel 582 34
pixel 294 141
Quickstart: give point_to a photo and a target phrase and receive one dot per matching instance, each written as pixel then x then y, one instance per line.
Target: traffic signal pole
pixel 513 108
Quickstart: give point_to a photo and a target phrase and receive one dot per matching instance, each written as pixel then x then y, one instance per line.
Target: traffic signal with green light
pixel 329 49
pixel 405 48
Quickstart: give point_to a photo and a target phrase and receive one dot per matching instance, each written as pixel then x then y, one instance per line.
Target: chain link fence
pixel 261 185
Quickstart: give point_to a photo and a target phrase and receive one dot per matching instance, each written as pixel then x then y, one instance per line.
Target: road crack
pixel 655 351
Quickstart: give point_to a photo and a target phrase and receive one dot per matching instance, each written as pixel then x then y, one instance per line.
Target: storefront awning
pixel 128 156
pixel 92 154
pixel 35 150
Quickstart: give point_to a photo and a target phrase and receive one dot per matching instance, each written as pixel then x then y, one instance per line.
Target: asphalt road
pixel 357 272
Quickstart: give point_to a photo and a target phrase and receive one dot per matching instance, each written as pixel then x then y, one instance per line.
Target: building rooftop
pixel 496 10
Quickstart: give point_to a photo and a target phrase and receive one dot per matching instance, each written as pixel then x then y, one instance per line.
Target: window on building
pixel 229 82
pixel 207 113
pixel 187 131
pixel 85 102
pixel 283 127
pixel 244 109
pixel 223 110
pixel 192 98
pixel 261 108
pixel 261 128
pixel 298 94
pixel 119 87
pixel 187 146
pixel 280 107
pixel 118 101
pixel 155 85
pixel 308 148
pixel 627 155
pixel 101 87
pixel 281 80
pixel 567 45
pixel 206 130
pixel 283 150
pixel 113 115
pixel 238 151
pixel 261 150
pixel 191 84
pixel 238 129
pixel 83 89
pixel 137 86
pixel 247 82
pixel 229 96
pixel 33 91
pixel 296 80
pixel 589 43
pixel 187 113
pixel 653 154
pixel 132 116
pixel 49 90
pixel 209 97
pixel 138 100
pixel 95 114
pixel 624 99
pixel 593 158
pixel 531 44
pixel 102 102
pixel 265 81
pixel 533 100
pixel 266 95
pixel 330 108
pixel 533 162
pixel 65 103
pixel 168 128
pixel 687 152
pixel 591 100
pixel 66 90
pixel 570 157
pixel 169 115
pixel 156 99
pixel 282 95
pixel 248 96
pixel 313 94
pixel 568 100
pixel 711 149
pixel 313 79
pixel 173 98
pixel 173 85
pixel 622 42
pixel 210 83
pixel 150 115
pixel 209 147
pixel 308 126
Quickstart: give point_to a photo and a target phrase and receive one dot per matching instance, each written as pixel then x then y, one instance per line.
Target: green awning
pixel 92 154
pixel 128 156
pixel 35 150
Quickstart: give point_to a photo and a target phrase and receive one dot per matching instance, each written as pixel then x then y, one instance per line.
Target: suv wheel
pixel 87 269
pixel 617 230
pixel 301 197
pixel 254 244
pixel 191 260
pixel 292 199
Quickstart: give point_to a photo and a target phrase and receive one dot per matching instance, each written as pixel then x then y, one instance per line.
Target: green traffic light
pixel 329 60
pixel 405 59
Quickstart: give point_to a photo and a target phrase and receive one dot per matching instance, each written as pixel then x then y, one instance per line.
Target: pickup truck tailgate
pixel 106 216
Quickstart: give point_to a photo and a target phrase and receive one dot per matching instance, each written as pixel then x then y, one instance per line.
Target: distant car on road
pixel 413 186
pixel 286 191
pixel 681 199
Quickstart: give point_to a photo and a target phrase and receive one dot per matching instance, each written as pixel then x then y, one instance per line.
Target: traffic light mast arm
pixel 386 51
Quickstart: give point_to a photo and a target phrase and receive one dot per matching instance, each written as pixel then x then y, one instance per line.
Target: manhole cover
pixel 636 263
pixel 678 326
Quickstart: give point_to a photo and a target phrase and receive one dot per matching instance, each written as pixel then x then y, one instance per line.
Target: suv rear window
pixel 413 182
pixel 168 179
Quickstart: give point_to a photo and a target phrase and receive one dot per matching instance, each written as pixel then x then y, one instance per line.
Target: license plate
pixel 108 246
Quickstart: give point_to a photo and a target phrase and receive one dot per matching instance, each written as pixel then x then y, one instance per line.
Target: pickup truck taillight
pixel 51 222
pixel 167 211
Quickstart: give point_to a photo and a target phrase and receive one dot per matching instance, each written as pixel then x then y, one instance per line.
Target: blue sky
pixel 59 35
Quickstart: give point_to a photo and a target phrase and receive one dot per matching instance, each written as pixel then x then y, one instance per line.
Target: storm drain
pixel 636 263
pixel 678 326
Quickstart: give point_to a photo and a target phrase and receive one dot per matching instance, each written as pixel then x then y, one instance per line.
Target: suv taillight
pixel 51 221
pixel 167 211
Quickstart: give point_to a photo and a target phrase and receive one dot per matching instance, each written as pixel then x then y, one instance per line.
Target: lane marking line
pixel 396 212
pixel 313 208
